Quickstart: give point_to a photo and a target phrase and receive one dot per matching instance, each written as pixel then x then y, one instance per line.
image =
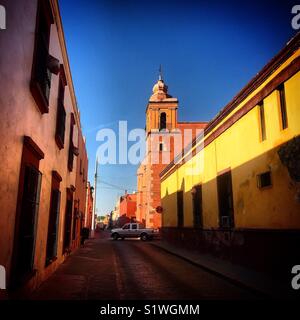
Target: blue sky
pixel 209 51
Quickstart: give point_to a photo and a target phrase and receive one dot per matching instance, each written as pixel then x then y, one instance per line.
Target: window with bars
pixel 61 113
pixel 27 212
pixel 53 224
pixel 283 112
pixel 71 157
pixel 72 149
pixel 264 180
pixel 41 75
pixel 68 221
pixel 28 219
pixel 262 120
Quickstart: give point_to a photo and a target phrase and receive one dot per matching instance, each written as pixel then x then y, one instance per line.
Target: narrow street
pixel 132 269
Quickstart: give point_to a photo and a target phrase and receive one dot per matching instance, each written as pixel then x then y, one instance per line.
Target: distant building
pixel 162 133
pixel 116 211
pixel 127 208
pixel 243 203
pixel 80 192
pixel 42 153
pixel 106 219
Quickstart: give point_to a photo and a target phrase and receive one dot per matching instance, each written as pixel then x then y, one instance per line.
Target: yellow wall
pixel 241 149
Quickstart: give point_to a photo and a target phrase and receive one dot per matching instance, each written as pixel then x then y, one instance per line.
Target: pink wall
pixel 19 116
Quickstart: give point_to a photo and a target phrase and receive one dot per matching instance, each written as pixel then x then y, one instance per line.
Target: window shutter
pixel 56 208
pixel 61 121
pixel 53 226
pixel 30 205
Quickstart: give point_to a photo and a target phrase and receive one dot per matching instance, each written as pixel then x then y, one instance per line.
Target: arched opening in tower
pixel 163 121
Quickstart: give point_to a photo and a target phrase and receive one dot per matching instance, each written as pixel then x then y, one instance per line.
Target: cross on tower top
pixel 160 72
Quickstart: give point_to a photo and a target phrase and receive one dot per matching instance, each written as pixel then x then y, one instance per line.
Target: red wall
pixel 128 205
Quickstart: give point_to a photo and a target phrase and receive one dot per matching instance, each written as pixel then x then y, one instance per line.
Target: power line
pixel 122 188
pixel 116 186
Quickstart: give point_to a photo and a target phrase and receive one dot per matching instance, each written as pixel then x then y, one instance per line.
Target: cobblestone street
pixel 132 269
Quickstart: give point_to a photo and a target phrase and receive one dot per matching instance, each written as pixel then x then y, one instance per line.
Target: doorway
pixel 197 206
pixel 225 199
pixel 68 220
pixel 180 217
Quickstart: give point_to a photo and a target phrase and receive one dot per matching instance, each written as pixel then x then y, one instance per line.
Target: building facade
pixel 116 211
pixel 237 196
pixel 43 155
pixel 127 209
pixel 165 137
pixel 80 192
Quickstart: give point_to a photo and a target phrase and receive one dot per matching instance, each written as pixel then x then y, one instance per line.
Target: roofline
pixel 163 100
pixel 66 63
pixel 292 46
pixel 192 122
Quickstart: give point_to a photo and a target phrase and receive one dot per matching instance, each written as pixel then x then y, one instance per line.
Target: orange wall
pixel 148 180
pixel 128 205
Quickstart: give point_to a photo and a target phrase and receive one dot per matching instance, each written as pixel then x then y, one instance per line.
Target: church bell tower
pixel 161 112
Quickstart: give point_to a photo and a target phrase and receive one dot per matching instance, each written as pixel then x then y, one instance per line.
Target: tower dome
pixel 160 86
pixel 160 89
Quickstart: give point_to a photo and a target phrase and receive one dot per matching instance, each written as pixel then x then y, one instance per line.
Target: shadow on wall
pixel 267 220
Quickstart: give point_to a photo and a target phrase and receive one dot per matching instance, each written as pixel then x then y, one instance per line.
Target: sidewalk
pixel 89 273
pixel 241 276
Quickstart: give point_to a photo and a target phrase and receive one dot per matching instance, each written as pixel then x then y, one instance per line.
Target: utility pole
pixel 95 194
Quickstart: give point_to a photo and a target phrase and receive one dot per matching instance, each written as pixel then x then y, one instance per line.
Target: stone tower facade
pixel 163 133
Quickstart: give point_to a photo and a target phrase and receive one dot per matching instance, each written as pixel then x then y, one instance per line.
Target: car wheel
pixel 115 236
pixel 144 237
